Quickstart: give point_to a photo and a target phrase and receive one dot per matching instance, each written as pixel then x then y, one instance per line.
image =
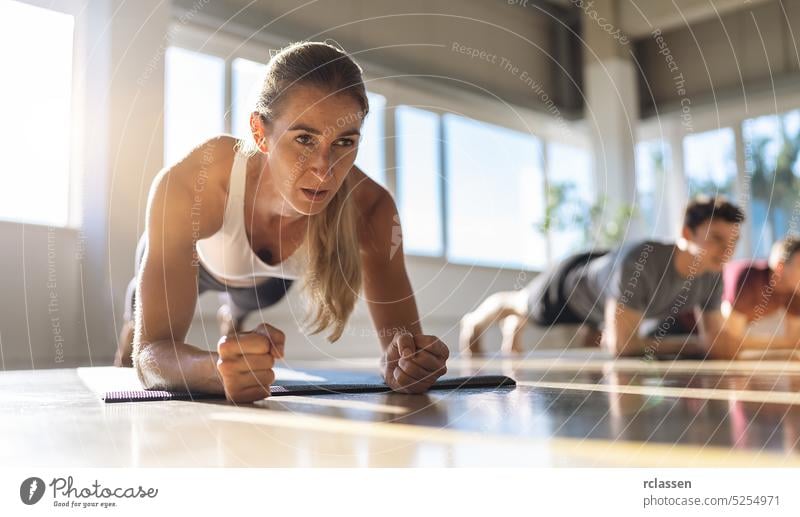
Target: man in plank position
pixel 619 292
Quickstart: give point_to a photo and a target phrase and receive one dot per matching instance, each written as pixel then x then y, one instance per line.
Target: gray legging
pixel 242 300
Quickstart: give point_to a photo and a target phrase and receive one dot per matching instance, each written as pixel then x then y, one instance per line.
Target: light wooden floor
pixel 574 408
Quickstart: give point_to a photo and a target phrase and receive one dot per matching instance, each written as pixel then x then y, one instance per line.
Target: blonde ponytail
pixel 333 279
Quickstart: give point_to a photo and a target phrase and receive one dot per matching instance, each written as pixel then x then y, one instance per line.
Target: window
pixel 570 198
pixel 247 80
pixel 495 195
pixel 710 162
pixel 36 89
pixel 419 190
pixel 652 160
pixel 487 206
pixel 371 148
pixel 772 167
pixel 193 109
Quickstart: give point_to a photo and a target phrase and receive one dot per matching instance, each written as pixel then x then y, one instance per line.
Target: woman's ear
pixel 258 131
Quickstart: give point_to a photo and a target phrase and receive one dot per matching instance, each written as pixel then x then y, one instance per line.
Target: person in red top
pixel 761 300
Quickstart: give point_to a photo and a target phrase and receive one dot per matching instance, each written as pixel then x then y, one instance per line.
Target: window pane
pixel 495 195
pixel 36 89
pixel 772 146
pixel 419 180
pixel 710 162
pixel 571 195
pixel 246 83
pixel 371 148
pixel 193 109
pixel 652 160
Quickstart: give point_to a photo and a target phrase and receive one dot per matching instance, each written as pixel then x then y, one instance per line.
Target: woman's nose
pixel 320 164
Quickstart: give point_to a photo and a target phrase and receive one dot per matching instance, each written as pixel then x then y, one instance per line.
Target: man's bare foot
pixel 470 337
pixel 125 346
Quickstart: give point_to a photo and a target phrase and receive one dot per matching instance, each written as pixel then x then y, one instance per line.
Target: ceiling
pixel 636 17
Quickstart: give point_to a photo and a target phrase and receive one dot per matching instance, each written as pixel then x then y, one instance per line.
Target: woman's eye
pixel 344 142
pixel 304 139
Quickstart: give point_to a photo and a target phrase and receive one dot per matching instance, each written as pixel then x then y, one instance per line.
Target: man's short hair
pixel 783 250
pixel 705 208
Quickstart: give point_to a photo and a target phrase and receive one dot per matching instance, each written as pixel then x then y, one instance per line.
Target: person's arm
pixel 718 338
pixel 388 291
pixel 167 294
pixel 735 331
pixel 791 336
pixel 621 334
pixel 724 335
pixel 411 361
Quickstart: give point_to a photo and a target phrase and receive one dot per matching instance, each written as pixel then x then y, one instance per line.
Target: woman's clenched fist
pixel 411 364
pixel 246 360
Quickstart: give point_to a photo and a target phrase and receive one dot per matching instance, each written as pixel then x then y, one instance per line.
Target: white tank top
pixel 227 254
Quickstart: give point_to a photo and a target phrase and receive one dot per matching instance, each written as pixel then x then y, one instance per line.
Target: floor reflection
pixel 707 414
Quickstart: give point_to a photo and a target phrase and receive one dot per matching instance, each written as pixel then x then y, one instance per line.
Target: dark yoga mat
pixel 335 382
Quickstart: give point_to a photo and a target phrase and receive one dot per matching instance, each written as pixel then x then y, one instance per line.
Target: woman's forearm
pixel 779 342
pixel 393 318
pixel 177 366
pixel 392 306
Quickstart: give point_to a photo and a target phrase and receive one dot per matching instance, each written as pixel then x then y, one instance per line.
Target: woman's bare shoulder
pixel 207 160
pixel 368 193
pixel 198 182
pixel 378 218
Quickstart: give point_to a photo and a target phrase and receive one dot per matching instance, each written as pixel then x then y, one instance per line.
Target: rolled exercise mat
pixel 333 383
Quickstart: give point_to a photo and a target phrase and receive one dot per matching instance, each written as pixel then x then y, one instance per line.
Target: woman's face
pixel 311 146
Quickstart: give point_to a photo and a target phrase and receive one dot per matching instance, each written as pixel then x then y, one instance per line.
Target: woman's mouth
pixel 314 195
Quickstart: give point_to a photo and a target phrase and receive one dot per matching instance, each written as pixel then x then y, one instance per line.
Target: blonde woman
pixel 248 217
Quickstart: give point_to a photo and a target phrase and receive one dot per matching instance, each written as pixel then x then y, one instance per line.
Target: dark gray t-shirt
pixel 642 276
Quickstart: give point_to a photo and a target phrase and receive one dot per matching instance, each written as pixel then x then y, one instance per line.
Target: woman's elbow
pixel 144 364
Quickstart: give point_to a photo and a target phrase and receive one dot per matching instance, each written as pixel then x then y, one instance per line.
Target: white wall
pixel 40 286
